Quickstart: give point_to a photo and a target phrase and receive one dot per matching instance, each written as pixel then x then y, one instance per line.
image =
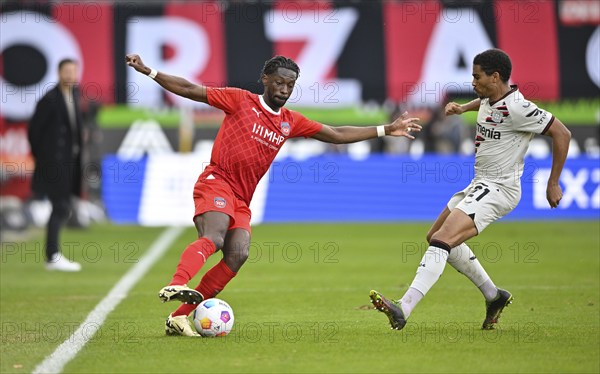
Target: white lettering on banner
pixel 167 191
pixel 168 186
pixel 325 40
pixel 48 37
pixel 147 37
pixel 595 200
pixel 573 189
pixel 144 137
pixel 592 57
pixel 441 73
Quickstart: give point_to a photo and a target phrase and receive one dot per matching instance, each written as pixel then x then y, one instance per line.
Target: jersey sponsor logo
pixel 285 128
pixel 487 133
pixel 256 111
pixel 264 133
pixel 220 202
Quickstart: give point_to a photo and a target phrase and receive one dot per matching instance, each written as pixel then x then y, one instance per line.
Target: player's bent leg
pixel 494 308
pixel 212 228
pixel 391 308
pixel 235 254
pixel 465 262
pixel 457 228
pixel 191 261
pixel 179 325
pixel 438 223
pixel 236 249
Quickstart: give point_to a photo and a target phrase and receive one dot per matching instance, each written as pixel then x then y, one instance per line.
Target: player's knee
pixel 430 234
pixel 218 240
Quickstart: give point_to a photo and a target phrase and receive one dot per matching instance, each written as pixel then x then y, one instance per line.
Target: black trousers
pixel 61 208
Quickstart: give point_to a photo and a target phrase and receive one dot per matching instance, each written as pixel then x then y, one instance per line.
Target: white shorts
pixel 485 202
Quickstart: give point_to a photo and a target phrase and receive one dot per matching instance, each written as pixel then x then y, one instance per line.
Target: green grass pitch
pixel 301 303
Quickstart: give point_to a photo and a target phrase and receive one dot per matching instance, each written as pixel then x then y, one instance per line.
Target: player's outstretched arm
pixel 561 137
pixel 349 134
pixel 455 108
pixel 172 83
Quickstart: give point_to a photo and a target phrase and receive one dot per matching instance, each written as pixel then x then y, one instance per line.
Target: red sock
pixel 192 259
pixel 211 284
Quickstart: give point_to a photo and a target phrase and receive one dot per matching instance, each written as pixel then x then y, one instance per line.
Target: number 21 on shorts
pixel 479 191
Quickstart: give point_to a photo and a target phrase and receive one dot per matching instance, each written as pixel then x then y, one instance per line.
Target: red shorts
pixel 214 195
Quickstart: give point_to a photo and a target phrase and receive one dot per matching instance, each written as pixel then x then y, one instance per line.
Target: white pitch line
pixel 55 362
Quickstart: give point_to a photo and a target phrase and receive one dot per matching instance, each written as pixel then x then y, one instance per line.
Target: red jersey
pixel 250 137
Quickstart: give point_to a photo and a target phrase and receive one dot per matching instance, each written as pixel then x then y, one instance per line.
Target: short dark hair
pixel 494 60
pixel 65 61
pixel 277 62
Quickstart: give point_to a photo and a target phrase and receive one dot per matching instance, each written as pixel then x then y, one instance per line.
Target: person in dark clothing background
pixel 55 137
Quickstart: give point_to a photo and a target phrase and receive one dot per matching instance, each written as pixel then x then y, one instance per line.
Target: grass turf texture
pixel 301 303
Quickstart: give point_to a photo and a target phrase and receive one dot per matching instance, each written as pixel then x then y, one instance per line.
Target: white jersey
pixel 504 130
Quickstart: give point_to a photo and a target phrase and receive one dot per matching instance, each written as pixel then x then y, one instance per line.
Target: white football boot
pixel 179 325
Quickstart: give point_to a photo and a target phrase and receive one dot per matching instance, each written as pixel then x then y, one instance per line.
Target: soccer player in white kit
pixel 506 123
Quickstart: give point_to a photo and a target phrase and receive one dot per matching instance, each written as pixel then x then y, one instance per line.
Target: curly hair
pixel 494 60
pixel 277 62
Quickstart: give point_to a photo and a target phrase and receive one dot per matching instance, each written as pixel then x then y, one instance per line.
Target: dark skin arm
pixel 350 134
pixel 171 83
pixel 561 137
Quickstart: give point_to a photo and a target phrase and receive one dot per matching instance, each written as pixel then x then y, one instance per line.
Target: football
pixel 213 317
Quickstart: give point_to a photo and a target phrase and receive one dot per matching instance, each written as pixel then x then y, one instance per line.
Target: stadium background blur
pixel 361 63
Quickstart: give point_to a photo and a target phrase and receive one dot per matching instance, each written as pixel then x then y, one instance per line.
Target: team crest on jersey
pixel 496 116
pixel 220 202
pixel 285 128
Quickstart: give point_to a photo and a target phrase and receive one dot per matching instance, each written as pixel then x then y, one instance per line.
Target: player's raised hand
pixel 554 194
pixel 135 61
pixel 403 126
pixel 453 108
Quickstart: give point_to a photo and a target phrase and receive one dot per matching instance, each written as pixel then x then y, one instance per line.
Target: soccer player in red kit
pixel 253 131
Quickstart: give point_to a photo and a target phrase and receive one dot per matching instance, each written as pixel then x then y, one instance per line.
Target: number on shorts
pixel 483 193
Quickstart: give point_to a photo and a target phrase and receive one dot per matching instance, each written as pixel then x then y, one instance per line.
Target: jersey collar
pixel 266 107
pixel 513 88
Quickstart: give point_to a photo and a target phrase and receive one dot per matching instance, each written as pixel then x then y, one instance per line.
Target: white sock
pixel 429 271
pixel 410 299
pixel 462 259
